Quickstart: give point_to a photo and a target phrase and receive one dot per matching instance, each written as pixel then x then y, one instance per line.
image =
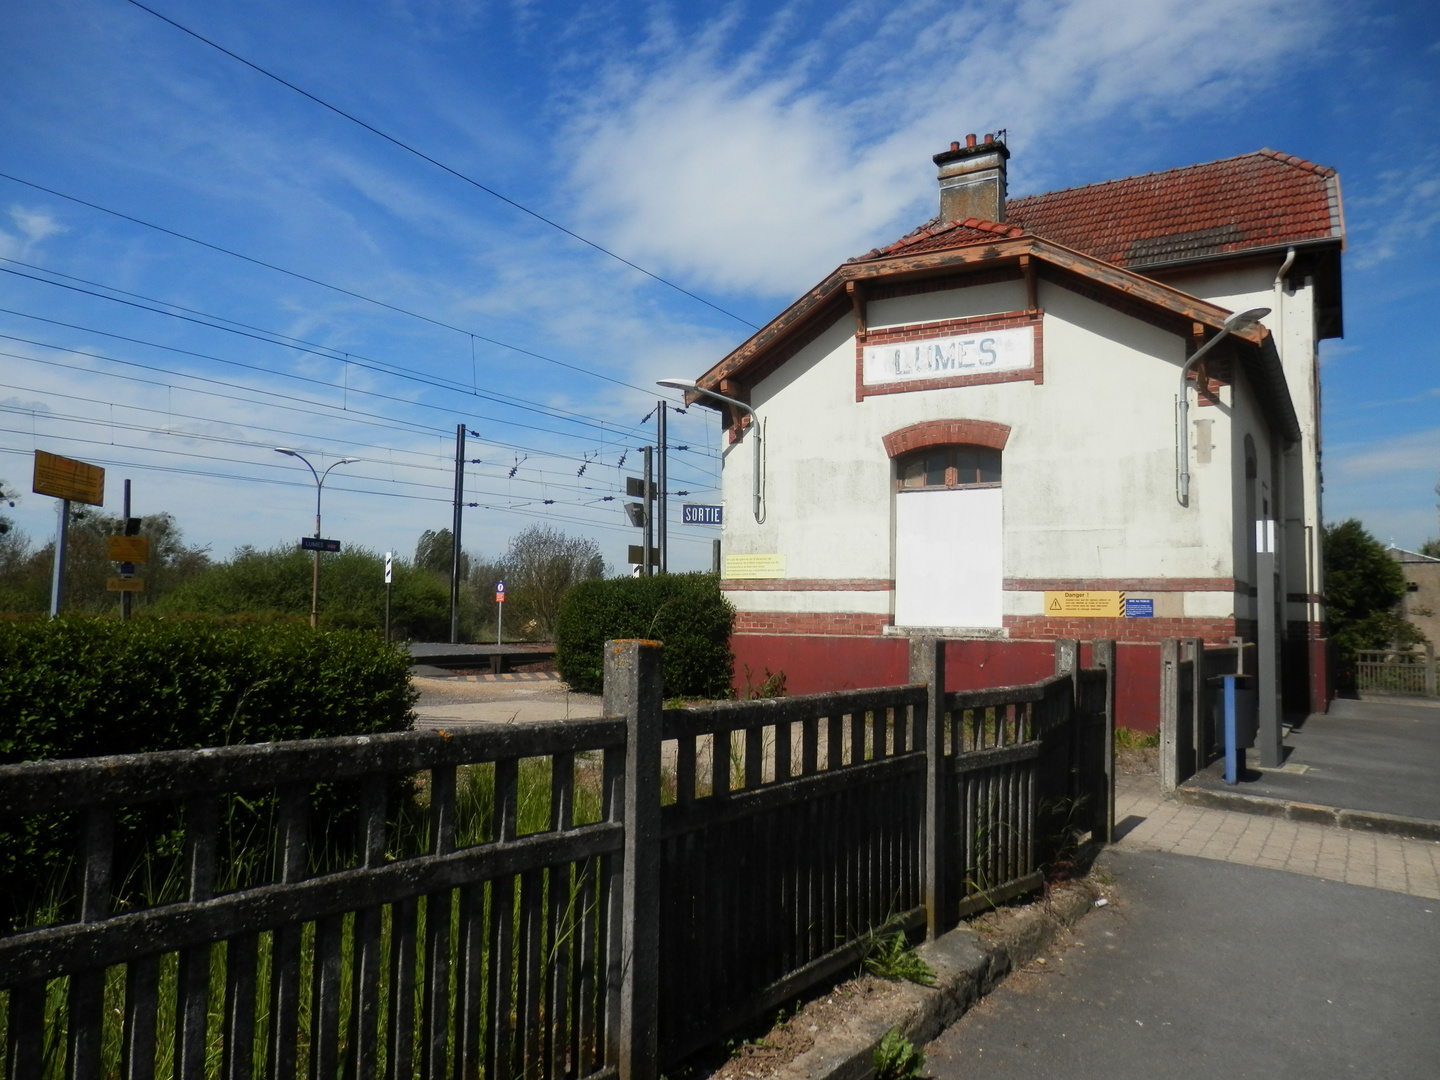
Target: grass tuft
pixel 893 958
pixel 896 1057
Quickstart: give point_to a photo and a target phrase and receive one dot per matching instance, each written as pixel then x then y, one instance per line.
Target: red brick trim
pixel 1215 631
pixel 944 328
pixel 946 433
pixel 808 585
pixel 811 623
pixel 1176 584
pixel 1111 297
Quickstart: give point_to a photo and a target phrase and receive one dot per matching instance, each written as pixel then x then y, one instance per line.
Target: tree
pixel 25 572
pixel 1363 585
pixel 1431 548
pixel 435 551
pixel 352 591
pixel 539 567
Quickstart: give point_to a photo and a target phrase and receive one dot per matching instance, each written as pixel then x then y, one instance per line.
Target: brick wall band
pixel 1021 627
pixel 946 433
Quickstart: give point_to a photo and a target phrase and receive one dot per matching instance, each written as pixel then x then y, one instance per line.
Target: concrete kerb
pixel 966 970
pixel 1313 813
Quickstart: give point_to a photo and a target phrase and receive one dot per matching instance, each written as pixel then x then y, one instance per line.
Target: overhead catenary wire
pixel 208 474
pixel 439 164
pixel 271 337
pixel 324 284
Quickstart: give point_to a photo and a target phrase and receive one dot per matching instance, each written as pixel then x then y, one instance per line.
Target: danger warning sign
pixel 1085 605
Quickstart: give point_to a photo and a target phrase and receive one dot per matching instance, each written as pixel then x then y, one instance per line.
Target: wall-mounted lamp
pixel 1240 320
pixel 691 387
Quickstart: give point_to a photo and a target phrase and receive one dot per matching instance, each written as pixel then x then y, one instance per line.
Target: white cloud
pixel 32 227
pixel 761 166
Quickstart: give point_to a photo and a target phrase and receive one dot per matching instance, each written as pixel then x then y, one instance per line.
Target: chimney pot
pixel 972 180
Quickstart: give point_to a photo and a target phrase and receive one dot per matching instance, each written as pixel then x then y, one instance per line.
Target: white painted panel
pixel 948 565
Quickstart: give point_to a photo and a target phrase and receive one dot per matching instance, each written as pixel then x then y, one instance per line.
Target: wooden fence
pixel 572 900
pixel 1396 671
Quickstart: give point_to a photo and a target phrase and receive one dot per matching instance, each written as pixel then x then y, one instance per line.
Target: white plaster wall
pixel 1293 321
pixel 1089 481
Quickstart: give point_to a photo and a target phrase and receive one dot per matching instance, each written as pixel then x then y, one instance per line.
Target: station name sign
pixel 696 514
pixel 1011 349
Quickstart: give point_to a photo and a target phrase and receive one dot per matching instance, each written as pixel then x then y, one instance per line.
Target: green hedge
pixel 84 687
pixel 88 687
pixel 685 611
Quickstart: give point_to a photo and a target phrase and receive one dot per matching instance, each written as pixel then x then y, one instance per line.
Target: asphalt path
pixel 1212 970
pixel 1362 755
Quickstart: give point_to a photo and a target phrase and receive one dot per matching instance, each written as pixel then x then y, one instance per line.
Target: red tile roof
pixel 937 236
pixel 1258 200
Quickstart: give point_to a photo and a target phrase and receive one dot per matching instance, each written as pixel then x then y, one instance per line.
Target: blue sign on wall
pixel 1139 608
pixel 695 514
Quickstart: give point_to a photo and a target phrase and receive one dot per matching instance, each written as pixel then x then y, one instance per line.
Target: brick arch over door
pixel 946 433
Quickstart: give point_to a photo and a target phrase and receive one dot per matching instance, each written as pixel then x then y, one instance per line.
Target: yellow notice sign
pixel 1085 605
pixel 128 548
pixel 754 566
pixel 65 478
pixel 125 584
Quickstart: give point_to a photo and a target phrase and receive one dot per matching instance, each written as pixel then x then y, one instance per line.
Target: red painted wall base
pixel 815 664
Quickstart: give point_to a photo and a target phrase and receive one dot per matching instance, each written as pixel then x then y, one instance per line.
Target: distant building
pixel 1420 606
pixel 972 432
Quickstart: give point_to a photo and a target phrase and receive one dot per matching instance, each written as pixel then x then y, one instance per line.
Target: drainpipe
pixel 1280 302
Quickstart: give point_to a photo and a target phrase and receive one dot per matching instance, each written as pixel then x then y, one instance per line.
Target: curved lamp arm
pixel 692 387
pixel 1240 320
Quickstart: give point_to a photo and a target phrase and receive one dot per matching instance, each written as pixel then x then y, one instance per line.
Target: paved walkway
pixel 1145 820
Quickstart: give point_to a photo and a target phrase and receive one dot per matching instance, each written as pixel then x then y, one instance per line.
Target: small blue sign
pixel 695 514
pixel 1139 608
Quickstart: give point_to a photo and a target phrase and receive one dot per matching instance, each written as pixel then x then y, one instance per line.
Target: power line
pixel 272 337
pixel 323 284
pixel 440 164
pixel 347 415
pixel 285 374
pixel 174 470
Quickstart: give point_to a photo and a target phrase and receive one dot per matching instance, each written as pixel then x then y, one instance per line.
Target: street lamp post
pixel 691 387
pixel 1240 320
pixel 319 487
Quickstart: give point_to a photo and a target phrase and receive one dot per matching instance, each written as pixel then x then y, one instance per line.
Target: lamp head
pixel 347 461
pixel 1244 320
pixel 286 451
pixel 677 384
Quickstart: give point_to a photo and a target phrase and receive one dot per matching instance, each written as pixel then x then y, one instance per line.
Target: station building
pixel 974 433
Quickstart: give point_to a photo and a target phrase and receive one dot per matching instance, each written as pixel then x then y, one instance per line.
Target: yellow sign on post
pixel 65 478
pixel 754 566
pixel 1085 605
pixel 125 584
pixel 128 548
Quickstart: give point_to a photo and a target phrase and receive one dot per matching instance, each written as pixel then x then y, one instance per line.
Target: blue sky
pixel 736 151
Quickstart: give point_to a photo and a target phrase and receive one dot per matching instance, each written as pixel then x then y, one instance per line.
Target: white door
pixel 948 566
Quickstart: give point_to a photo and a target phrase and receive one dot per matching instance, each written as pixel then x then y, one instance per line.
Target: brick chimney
pixel 972 180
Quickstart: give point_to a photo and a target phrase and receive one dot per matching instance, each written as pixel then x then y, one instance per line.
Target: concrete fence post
pixel 634 690
pixel 1067 656
pixel 1199 702
pixel 1169 713
pixel 1103 653
pixel 1430 668
pixel 927 665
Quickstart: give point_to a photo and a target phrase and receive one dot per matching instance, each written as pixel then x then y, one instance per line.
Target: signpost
pixel 69 481
pixel 389 561
pixel 317 543
pixel 499 612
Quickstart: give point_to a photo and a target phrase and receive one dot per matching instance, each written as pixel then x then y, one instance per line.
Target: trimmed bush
pixel 685 611
pixel 89 687
pixel 85 687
